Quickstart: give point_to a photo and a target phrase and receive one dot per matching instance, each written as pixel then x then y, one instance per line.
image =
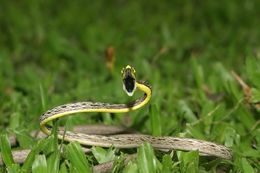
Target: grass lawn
pixel 52 53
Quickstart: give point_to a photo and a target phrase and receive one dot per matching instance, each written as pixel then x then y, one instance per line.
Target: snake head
pixel 129 81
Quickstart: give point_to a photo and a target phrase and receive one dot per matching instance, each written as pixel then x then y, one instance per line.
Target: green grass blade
pixel 246 167
pixel 187 112
pixel 195 132
pixel 15 119
pixel 103 155
pixel 189 161
pixel 253 70
pixel 6 151
pixel 199 77
pixel 28 163
pixel 39 164
pixel 53 162
pixel 130 168
pixel 255 95
pixel 24 138
pixel 54 133
pixel 43 97
pixel 146 159
pixel 14 168
pixel 77 158
pixel 167 164
pixel 155 120
pixel 63 168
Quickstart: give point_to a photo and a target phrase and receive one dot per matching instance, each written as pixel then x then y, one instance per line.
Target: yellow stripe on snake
pixel 130 84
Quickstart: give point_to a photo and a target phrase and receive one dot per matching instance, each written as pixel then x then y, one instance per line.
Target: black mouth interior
pixel 129 83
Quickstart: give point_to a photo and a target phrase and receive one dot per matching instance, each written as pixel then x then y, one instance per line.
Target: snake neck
pixel 147 89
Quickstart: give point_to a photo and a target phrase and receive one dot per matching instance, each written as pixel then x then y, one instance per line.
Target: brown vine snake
pixel 130 84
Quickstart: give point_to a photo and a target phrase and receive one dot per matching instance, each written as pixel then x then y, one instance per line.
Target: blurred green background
pixel 52 52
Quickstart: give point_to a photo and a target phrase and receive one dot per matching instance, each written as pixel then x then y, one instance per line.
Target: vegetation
pixel 52 53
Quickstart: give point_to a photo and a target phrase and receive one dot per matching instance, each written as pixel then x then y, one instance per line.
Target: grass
pixel 53 53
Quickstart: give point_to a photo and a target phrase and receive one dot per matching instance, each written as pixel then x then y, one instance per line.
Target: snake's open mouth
pixel 129 84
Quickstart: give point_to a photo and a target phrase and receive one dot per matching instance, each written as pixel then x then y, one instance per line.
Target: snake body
pixel 127 140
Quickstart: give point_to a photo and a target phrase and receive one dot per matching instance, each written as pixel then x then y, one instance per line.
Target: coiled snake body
pixel 127 140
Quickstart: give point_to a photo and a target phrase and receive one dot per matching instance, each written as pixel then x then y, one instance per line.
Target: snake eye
pixel 133 69
pixel 122 71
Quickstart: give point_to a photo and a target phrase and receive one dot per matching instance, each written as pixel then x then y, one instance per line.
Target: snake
pixel 130 85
